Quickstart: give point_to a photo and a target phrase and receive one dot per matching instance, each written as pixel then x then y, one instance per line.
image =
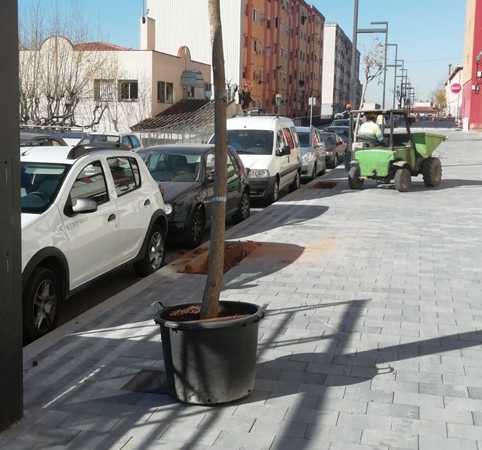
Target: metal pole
pixel 395 66
pixel 11 376
pixel 385 61
pixel 353 56
pixel 311 108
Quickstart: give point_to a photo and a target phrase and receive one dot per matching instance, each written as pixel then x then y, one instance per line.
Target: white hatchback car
pixel 128 139
pixel 85 211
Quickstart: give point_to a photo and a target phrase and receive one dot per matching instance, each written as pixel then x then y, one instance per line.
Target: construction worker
pixel 371 131
pixel 381 121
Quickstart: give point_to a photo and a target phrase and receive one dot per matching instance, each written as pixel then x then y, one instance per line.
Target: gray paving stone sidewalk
pixel 371 339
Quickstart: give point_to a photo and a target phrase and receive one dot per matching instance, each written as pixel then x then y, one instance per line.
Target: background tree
pixel 439 98
pixel 56 74
pixel 245 94
pixel 210 302
pixel 373 61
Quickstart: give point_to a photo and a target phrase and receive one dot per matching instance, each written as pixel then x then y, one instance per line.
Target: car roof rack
pixel 84 149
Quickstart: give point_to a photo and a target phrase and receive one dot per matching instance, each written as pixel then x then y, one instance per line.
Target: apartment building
pixel 337 55
pixel 271 47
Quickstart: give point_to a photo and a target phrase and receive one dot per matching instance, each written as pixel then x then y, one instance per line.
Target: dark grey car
pixel 334 152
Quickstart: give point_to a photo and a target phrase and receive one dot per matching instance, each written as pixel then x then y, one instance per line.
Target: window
pixel 127 141
pixel 288 137
pixel 91 184
pixel 128 91
pixel 135 142
pixel 165 92
pixel 104 90
pixel 125 173
pixel 169 93
pixel 161 92
pixel 255 15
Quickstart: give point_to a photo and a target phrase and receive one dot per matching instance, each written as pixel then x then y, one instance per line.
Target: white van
pixel 270 150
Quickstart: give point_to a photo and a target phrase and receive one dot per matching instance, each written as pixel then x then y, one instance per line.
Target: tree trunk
pixel 210 302
pixel 362 102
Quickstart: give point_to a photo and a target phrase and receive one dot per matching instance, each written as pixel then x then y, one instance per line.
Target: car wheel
pixel 314 172
pixel 274 196
pixel 155 254
pixel 296 182
pixel 323 171
pixel 195 228
pixel 244 208
pixel 41 299
pixel 403 180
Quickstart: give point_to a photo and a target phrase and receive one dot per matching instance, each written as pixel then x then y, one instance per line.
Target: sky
pixel 429 33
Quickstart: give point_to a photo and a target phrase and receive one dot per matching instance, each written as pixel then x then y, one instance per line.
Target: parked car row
pixel 96 206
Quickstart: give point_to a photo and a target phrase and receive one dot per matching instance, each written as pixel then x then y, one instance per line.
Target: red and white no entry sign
pixel 455 88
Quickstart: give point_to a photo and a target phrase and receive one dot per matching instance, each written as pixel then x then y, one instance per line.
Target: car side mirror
pixel 210 176
pixel 285 150
pixel 84 205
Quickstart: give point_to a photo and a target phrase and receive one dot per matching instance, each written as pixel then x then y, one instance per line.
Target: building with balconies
pixel 337 55
pixel 271 47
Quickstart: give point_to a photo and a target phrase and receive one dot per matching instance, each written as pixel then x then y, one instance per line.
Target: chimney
pixel 450 69
pixel 148 33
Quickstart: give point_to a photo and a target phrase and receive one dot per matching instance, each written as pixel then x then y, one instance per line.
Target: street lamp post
pixel 395 66
pixel 385 61
pixel 353 54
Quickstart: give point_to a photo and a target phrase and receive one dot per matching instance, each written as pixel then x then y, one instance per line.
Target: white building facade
pixel 337 51
pixel 186 22
pixel 112 89
pixel 454 99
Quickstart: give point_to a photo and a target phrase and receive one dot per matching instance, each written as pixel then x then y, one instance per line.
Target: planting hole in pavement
pixel 324 184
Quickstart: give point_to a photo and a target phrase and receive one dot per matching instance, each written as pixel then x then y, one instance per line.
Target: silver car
pixel 313 153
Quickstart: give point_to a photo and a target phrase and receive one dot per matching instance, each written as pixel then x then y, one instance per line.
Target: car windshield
pixel 250 142
pixel 40 183
pixel 99 139
pixel 172 166
pixel 305 138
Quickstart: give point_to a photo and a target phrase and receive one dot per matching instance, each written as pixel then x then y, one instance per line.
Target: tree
pixel 210 302
pixel 439 98
pixel 58 63
pixel 245 94
pixel 373 61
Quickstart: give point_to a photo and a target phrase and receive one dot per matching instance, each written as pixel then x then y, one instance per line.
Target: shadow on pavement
pixel 280 215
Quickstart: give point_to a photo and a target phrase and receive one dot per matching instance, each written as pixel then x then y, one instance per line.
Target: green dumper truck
pixel 407 155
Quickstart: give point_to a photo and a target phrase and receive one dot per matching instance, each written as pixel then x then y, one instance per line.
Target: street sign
pixel 455 88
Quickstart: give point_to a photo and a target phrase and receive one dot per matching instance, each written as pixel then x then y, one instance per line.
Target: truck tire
pixel 403 180
pixel 354 180
pixel 432 172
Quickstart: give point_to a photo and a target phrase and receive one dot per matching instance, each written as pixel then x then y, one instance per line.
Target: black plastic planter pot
pixel 211 362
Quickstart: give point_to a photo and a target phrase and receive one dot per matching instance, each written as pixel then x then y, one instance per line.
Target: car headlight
pixel 167 208
pixel 258 173
pixel 307 157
